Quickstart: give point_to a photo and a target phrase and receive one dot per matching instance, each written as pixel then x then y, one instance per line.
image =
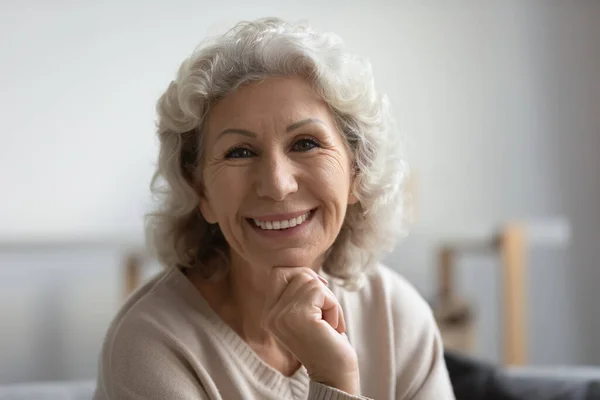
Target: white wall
pixel 507 126
pixel 568 83
pixel 498 103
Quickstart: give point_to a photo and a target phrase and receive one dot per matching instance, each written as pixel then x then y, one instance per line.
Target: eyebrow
pixel 290 128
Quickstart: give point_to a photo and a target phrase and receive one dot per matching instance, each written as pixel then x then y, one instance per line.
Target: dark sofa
pixel 476 380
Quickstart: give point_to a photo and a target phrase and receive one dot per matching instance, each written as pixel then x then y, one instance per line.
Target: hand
pixel 305 317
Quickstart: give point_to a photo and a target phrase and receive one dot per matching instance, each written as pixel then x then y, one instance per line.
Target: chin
pixel 290 259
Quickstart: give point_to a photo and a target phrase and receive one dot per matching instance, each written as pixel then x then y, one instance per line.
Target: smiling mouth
pixel 283 224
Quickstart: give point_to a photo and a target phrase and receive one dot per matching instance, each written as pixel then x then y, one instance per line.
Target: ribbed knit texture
pixel 167 343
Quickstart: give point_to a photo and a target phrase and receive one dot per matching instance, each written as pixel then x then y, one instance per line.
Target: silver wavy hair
pixel 251 51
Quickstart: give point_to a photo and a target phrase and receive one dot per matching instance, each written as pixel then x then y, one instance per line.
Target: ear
pixel 207 211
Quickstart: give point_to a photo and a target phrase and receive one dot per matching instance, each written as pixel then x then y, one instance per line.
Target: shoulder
pixel 410 315
pixel 389 303
pixel 392 283
pixel 401 293
pixel 150 309
pixel 148 341
pixel 394 333
pixel 386 289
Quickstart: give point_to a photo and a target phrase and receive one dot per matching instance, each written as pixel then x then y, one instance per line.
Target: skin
pixel 273 147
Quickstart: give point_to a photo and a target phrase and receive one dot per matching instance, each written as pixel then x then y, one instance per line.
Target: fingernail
pixel 322 279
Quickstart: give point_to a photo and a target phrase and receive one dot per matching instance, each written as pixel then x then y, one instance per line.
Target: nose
pixel 275 177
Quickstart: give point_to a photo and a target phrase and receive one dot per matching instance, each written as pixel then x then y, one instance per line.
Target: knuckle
pixel 304 276
pixel 295 311
pixel 314 291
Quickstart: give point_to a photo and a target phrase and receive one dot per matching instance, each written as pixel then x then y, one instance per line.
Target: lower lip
pixel 282 233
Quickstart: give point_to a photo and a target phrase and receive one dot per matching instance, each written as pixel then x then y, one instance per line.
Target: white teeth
pixel 276 225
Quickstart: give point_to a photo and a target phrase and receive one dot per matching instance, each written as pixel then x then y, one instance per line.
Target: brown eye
pixel 240 152
pixel 304 145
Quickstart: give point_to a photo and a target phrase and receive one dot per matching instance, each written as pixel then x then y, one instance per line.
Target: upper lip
pixel 280 217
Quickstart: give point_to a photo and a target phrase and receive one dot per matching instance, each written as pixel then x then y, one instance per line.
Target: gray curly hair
pixel 251 51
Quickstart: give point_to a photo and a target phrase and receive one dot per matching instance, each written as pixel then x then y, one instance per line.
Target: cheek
pixel 226 188
pixel 330 181
pixel 335 171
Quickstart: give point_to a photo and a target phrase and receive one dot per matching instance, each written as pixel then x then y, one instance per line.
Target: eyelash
pixel 235 149
pixel 230 152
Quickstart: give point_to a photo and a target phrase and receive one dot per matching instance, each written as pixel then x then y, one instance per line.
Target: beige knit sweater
pixel 167 343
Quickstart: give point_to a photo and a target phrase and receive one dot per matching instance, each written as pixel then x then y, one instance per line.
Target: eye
pixel 239 152
pixel 305 145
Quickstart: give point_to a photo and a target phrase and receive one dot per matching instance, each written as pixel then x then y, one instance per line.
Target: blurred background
pixel 499 105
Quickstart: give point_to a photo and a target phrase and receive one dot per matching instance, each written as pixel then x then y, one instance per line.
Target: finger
pixel 290 293
pixel 277 281
pixel 325 282
pixel 279 278
pixel 278 286
pixel 332 317
pixel 321 300
pixel 342 321
pixel 335 317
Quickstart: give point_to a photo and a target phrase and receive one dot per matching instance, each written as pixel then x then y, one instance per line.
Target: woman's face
pixel 276 174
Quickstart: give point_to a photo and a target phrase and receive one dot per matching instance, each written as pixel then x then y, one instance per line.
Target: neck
pixel 238 298
pixel 246 287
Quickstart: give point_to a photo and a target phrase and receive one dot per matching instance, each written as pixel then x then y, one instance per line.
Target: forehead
pixel 274 102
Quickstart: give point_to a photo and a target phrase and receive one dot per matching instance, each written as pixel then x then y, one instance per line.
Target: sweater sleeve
pixel 318 391
pixel 141 362
pixel 421 369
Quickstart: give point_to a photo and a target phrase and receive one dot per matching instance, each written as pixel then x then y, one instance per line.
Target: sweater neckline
pixel 258 369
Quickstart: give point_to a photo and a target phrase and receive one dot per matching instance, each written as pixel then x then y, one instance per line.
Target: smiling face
pixel 276 174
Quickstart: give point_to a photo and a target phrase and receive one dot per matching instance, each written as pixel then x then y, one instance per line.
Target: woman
pixel 280 176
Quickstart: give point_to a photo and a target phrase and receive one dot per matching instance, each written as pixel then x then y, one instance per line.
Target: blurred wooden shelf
pixel 510 245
